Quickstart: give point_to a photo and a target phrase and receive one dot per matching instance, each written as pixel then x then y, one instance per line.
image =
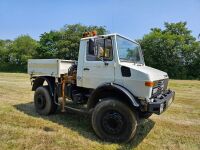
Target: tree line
pixel 172 49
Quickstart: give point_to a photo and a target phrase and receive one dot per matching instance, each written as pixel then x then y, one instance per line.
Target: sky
pixel 131 18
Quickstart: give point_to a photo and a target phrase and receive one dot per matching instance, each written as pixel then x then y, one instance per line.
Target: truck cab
pixel 111 78
pixel 121 63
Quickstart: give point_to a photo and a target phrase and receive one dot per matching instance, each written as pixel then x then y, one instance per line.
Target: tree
pixel 64 44
pixel 22 49
pixel 48 45
pixel 5 50
pixel 14 54
pixel 173 50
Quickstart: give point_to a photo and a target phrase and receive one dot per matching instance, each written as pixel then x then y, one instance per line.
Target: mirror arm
pixel 105 63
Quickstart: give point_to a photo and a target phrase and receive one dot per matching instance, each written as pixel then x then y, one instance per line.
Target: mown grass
pixel 22 128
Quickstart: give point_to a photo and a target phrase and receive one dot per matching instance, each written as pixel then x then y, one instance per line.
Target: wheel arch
pixel 39 81
pixel 112 90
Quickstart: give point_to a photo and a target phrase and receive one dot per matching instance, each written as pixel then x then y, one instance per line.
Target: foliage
pixel 22 49
pixel 64 43
pixel 173 50
pixel 14 54
pixel 4 50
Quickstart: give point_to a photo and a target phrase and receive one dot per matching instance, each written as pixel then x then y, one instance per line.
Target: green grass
pixel 22 128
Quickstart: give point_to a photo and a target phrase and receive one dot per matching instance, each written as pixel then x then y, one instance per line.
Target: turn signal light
pixel 149 83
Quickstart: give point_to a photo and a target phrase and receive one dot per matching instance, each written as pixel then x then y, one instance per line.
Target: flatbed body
pixel 49 67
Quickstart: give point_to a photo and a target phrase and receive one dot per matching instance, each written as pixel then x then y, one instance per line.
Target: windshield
pixel 129 51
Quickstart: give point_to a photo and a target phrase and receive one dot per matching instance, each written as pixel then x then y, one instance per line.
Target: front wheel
pixel 114 121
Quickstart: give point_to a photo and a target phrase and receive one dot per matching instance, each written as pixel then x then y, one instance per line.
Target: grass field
pixel 22 128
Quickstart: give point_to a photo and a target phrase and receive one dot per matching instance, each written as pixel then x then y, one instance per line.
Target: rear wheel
pixel 114 121
pixel 44 104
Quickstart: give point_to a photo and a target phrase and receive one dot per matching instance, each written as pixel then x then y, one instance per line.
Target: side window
pixel 99 49
pixel 108 54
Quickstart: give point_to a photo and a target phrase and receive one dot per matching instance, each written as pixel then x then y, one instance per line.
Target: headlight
pixel 159 87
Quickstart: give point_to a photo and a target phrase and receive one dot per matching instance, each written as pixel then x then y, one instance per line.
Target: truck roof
pixel 106 35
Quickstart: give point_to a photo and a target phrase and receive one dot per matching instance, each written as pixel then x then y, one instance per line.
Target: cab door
pixel 98 67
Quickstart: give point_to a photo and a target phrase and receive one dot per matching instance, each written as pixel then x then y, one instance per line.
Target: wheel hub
pixel 113 122
pixel 41 101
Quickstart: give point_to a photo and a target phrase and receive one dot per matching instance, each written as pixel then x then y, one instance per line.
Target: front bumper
pixel 161 103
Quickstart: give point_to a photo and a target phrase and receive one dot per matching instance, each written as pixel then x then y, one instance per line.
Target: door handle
pixel 86 69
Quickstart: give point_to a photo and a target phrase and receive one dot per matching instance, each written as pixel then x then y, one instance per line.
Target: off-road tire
pixel 44 103
pixel 114 121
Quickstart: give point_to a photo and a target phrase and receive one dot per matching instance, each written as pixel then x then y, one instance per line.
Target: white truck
pixel 110 81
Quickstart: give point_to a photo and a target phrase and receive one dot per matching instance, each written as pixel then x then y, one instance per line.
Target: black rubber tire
pixel 124 117
pixel 145 115
pixel 44 103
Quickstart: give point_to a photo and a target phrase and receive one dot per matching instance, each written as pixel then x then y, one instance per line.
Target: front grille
pixel 161 86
